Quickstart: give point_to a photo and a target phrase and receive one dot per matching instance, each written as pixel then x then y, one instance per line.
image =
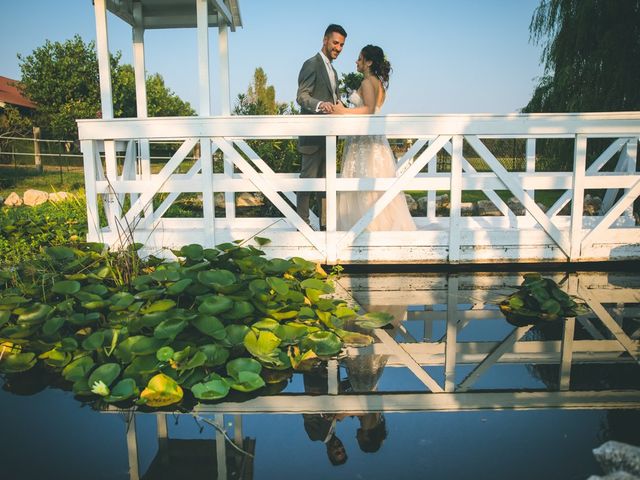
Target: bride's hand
pixel 339 108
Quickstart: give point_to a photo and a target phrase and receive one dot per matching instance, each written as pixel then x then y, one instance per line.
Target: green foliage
pixel 349 83
pixel 237 321
pixel 591 56
pixel 24 231
pixel 539 299
pixel 260 99
pixel 62 78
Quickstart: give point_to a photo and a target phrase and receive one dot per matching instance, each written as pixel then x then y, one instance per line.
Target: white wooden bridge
pixel 125 190
pixel 128 200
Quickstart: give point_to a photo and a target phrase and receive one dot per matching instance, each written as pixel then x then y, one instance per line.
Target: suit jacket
pixel 313 86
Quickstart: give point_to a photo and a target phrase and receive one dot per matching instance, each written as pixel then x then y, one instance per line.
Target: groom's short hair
pixel 335 28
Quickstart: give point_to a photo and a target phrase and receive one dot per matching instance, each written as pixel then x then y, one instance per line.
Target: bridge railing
pixel 128 199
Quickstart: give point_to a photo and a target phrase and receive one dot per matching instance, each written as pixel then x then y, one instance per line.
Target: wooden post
pixel 36 149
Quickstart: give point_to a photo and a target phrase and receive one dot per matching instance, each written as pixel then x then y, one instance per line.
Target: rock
pixel 467 209
pixel 618 457
pixel 218 199
pixel 592 205
pixel 486 208
pixel 13 200
pixel 249 199
pixel 615 476
pixel 35 197
pixel 516 206
pixel 60 197
pixel 411 202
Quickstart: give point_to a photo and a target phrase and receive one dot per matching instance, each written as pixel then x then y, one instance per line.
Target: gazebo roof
pixel 177 13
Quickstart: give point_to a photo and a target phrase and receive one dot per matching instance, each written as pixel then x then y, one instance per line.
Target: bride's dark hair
pixel 380 66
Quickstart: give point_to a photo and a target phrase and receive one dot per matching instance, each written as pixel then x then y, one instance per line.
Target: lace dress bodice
pixel 357 101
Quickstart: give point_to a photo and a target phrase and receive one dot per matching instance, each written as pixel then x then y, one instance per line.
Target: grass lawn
pixel 21 178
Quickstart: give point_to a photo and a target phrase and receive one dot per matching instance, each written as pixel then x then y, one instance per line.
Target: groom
pixel 317 94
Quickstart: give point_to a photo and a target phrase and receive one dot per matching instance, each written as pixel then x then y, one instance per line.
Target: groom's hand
pixel 326 107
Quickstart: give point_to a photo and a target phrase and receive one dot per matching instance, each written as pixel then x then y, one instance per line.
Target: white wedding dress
pixel 370 156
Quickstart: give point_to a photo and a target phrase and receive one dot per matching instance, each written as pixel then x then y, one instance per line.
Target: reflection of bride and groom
pixel 363 156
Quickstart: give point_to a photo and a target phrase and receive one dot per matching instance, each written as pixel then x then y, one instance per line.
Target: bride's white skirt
pixel 371 156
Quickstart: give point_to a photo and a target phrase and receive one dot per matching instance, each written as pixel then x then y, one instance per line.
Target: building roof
pixel 10 94
pixel 177 13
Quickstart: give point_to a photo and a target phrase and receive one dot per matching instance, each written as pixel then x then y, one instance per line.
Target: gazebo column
pixel 141 103
pixel 208 206
pixel 225 105
pixel 106 101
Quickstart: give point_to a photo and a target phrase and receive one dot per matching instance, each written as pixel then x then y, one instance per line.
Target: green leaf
pixel 13 300
pixel 261 343
pixel 52 325
pixel 243 364
pixel 217 279
pixel 161 391
pixel 105 373
pixel 121 301
pixel 159 306
pixel 247 382
pixel 164 354
pixel 322 343
pixel 216 354
pixel 213 389
pixel 68 344
pixel 316 284
pixel 33 314
pixel 374 319
pixel 278 285
pixel 123 390
pixel 235 335
pixel 192 252
pixel 210 325
pixel 17 362
pixel 277 266
pixel 215 304
pixel 551 306
pixel 169 329
pixel 94 341
pixel 60 253
pixel 96 289
pixel 178 287
pixel 261 241
pixel 78 369
pixel 239 311
pixel 66 287
pixel 198 359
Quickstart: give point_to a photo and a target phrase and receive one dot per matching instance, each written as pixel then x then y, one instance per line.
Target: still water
pixel 451 391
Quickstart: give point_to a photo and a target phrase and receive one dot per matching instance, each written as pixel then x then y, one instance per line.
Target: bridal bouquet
pixel 349 83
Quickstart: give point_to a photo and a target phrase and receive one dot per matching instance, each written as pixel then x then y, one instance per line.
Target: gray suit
pixel 314 86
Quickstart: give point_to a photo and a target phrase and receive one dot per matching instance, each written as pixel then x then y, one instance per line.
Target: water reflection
pixel 450 350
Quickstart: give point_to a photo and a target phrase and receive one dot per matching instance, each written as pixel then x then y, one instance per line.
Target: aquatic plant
pixel 212 321
pixel 539 299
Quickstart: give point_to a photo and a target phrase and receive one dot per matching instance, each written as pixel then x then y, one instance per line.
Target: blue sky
pixel 448 56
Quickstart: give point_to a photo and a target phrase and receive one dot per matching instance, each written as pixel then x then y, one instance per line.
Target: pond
pixel 451 390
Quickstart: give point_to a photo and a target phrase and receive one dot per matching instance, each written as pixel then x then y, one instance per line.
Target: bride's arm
pixel 368 94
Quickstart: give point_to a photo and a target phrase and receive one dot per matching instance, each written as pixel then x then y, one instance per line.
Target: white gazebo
pixel 120 196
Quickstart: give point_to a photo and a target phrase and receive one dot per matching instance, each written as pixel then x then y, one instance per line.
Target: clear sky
pixel 448 56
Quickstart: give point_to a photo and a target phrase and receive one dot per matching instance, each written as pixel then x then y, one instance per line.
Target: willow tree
pixel 591 55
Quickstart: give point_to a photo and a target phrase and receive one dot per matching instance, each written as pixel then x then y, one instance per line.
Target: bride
pixel 370 156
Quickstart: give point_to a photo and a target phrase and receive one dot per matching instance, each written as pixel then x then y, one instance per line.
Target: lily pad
pixel 210 325
pixel 216 354
pixel 66 287
pixel 78 368
pixel 123 390
pixel 213 389
pixel 105 373
pixel 215 304
pixel 322 343
pixel 161 391
pixel 17 362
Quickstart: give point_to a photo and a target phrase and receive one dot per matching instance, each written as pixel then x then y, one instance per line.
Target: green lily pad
pixel 179 287
pixel 197 360
pixel 277 266
pixel 261 343
pixel 374 320
pixel 278 285
pixel 78 368
pixel 243 364
pixel 17 362
pixel 159 306
pixel 239 311
pixel 164 354
pixel 161 391
pixel 123 390
pixel 322 343
pixel 66 287
pixel 52 325
pixel 169 329
pixel 217 279
pixel 96 289
pixel 94 341
pixel 316 284
pixel 105 373
pixel 216 354
pixel 210 325
pixel 121 301
pixel 33 314
pixel 193 252
pixel 247 382
pixel 213 389
pixel 60 253
pixel 215 304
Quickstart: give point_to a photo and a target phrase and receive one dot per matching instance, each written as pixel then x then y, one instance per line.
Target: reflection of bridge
pixel 127 191
pixel 449 341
